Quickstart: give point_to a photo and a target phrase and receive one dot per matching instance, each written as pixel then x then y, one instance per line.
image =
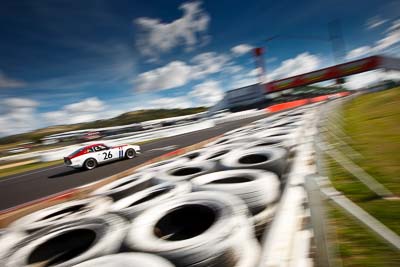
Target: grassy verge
pixel 356 246
pixel 372 122
pixel 28 167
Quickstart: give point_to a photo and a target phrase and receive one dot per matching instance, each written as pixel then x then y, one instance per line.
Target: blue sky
pixel 74 61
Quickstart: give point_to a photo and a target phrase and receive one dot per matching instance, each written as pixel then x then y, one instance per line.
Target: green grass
pixel 28 167
pixel 386 211
pixel 372 121
pixel 356 246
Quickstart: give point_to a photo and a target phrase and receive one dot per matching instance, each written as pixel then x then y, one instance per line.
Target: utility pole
pixel 337 41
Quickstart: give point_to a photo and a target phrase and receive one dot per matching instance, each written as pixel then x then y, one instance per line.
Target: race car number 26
pixel 107 155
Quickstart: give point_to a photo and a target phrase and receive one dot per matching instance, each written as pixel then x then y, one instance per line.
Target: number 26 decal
pixel 107 155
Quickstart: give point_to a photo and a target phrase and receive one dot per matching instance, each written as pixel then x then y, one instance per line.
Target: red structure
pixel 258 53
pixel 334 72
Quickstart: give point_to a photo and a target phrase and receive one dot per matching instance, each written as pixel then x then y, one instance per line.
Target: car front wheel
pixel 90 164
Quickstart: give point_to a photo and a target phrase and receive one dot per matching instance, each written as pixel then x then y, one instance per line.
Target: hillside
pixel 125 118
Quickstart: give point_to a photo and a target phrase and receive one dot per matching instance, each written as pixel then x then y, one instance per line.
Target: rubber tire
pixel 127 208
pixel 220 141
pixel 277 141
pixel 160 165
pixel 257 188
pixel 193 169
pixel 126 186
pixel 276 159
pixel 130 153
pixel 89 160
pixel 133 259
pixel 263 218
pixel 108 230
pixel 192 155
pixel 62 213
pixel 209 155
pixel 8 240
pixel 219 244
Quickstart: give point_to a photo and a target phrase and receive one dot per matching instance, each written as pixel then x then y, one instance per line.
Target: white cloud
pixel 18 115
pixel 375 22
pixel 241 49
pixel 367 78
pixel 89 109
pixel 233 69
pixel 92 104
pixel 304 62
pixel 254 72
pixel 157 37
pixel 176 73
pixel 203 94
pixel 170 102
pixel 208 63
pixel 391 38
pixel 358 52
pixel 16 102
pixel 7 82
pixel 207 93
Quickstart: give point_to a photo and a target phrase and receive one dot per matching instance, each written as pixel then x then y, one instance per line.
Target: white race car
pixel 89 157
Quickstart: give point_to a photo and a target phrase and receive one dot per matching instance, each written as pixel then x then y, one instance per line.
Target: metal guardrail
pixel 324 255
pixel 358 213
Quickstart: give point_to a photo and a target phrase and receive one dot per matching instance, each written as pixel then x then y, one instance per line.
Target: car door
pixel 102 153
pixel 106 153
pixel 114 153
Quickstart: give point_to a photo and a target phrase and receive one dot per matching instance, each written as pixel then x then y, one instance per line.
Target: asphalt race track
pixel 21 188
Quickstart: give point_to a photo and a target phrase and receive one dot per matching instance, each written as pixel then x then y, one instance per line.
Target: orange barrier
pixel 320 98
pixel 287 105
pixel 302 102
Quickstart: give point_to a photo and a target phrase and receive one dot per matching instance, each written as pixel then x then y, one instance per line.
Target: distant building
pixel 252 96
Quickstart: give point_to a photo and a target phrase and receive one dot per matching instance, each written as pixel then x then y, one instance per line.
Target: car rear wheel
pixel 90 164
pixel 130 153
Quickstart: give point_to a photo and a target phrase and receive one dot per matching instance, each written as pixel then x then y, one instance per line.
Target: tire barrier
pixel 126 186
pixel 275 141
pixel 62 213
pixel 263 218
pixel 196 229
pixel 220 141
pixel 267 158
pixel 241 130
pixel 290 135
pixel 8 239
pixel 162 164
pixel 217 152
pixel 203 208
pixel 131 206
pixel 241 140
pixel 133 259
pixel 193 155
pixel 186 172
pixel 257 188
pixel 70 243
